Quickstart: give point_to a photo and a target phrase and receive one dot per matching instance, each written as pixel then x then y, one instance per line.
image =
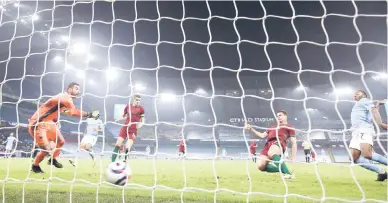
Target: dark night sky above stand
pixel 140 37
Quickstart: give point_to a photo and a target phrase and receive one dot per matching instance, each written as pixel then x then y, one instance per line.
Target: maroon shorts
pixel 126 132
pixel 268 145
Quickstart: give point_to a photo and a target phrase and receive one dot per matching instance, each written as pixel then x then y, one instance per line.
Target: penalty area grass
pixel 163 180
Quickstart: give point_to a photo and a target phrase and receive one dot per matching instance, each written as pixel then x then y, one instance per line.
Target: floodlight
pixel 35 17
pixel 69 67
pixel 300 88
pixel 81 74
pixel 139 87
pixel 111 74
pixel 380 76
pixel 57 58
pixel 79 48
pixel 65 38
pixel 343 90
pixel 90 58
pixel 168 97
pixel 91 82
pixel 200 91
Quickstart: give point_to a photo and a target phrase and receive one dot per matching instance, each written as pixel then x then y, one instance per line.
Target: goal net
pixel 203 70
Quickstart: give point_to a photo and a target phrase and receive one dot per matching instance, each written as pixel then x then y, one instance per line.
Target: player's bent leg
pixel 118 144
pixel 365 163
pixel 35 152
pixel 379 158
pixel 86 146
pixel 44 144
pixel 366 150
pixel 355 154
pixel 56 137
pixel 263 163
pixel 274 153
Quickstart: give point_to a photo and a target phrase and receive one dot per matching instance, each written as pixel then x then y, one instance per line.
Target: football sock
pixel 36 150
pixel 283 166
pixel 272 168
pixel 126 154
pixel 115 152
pixel 365 163
pixel 378 158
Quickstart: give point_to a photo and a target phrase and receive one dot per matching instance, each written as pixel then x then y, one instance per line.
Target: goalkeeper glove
pixel 248 127
pixel 94 114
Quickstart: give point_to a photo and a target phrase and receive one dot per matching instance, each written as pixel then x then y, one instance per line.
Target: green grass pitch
pixel 81 184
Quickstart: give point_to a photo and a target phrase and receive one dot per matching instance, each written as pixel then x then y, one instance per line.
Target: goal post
pixel 203 70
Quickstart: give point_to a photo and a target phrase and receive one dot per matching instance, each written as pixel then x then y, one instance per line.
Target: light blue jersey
pixel 93 126
pixel 361 116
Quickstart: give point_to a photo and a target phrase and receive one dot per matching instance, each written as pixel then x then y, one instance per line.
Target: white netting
pixel 202 69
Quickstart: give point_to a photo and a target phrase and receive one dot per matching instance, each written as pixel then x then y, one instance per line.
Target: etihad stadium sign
pixel 251 120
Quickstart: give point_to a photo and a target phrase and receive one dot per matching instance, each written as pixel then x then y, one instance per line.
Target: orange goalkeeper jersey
pixel 51 108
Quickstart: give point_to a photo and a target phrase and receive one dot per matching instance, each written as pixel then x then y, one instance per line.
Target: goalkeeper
pixel 45 132
pixel 272 150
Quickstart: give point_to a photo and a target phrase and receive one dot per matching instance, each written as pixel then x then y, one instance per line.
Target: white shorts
pixel 89 139
pixel 8 148
pixel 362 136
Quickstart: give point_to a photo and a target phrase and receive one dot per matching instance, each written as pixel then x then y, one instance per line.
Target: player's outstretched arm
pixel 73 111
pixel 380 102
pixel 377 118
pixel 255 132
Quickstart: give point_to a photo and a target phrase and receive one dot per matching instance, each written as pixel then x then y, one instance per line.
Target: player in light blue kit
pixel 361 144
pixel 94 126
pixel 9 145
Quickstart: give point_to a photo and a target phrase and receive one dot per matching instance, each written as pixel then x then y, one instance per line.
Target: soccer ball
pixel 118 173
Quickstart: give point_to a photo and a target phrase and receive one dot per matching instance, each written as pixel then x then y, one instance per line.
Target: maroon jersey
pixel 284 132
pixel 133 117
pixel 252 147
pixel 182 146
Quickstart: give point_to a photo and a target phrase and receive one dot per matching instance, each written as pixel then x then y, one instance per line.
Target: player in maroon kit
pixel 182 148
pixel 252 150
pixel 134 115
pixel 313 155
pixel 273 149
